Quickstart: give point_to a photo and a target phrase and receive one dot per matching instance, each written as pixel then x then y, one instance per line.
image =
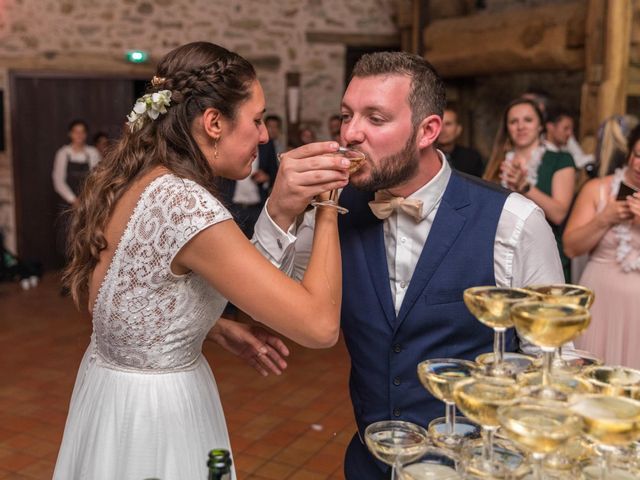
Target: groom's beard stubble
pixel 392 170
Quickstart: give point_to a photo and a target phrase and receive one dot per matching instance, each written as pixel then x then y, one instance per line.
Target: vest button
pixel 397 348
pixel 396 412
pixel 396 381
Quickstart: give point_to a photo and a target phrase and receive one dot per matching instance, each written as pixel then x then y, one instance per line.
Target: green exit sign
pixel 137 56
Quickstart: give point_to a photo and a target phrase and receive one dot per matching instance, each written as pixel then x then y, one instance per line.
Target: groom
pixel 406 262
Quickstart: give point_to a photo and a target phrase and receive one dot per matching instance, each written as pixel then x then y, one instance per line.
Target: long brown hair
pixel 200 75
pixel 502 143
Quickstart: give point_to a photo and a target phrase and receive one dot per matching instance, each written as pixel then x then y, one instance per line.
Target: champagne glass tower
pixel 396 441
pixel 610 422
pixel 492 306
pixel 549 326
pixel 479 399
pixel 439 376
pixel 539 429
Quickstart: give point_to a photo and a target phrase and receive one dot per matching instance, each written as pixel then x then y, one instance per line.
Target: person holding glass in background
pixel 521 162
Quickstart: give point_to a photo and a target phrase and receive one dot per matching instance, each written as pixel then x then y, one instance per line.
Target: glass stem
pixel 605 455
pixel 546 366
pixel 498 347
pixel 537 466
pixel 450 417
pixel 487 446
pixel 333 196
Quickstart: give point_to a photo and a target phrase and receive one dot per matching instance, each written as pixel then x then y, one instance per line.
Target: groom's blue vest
pixel 433 321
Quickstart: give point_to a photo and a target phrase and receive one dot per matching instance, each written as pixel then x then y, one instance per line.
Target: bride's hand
pixel 261 349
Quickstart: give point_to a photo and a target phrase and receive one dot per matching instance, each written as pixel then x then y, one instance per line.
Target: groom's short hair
pixel 427 95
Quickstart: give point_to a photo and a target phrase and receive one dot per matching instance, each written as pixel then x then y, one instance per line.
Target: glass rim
pixel 375 426
pixel 586 371
pixel 459 361
pixel 577 309
pixel 558 285
pixel 488 288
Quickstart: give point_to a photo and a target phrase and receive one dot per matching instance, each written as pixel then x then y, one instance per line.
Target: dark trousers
pixel 359 464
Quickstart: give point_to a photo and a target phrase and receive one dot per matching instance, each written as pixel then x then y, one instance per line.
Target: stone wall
pixel 94 35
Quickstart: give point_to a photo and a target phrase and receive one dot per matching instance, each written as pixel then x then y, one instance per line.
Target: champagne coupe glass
pixel 435 464
pixel 539 429
pixel 564 294
pixel 549 326
pixel 396 441
pixel 518 362
pixel 576 360
pixel 614 380
pixel 611 423
pixel 479 398
pixel 439 376
pixel 492 306
pixel 567 384
pixel 356 157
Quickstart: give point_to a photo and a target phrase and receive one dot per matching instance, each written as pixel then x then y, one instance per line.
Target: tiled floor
pixel 295 426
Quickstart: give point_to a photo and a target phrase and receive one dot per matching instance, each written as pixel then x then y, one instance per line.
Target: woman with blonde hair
pixel 521 162
pixel 612 151
pixel 157 256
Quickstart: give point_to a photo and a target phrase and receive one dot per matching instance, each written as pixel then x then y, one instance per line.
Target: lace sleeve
pixel 183 208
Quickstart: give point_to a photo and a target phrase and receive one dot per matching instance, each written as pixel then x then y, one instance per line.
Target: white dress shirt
pixel 247 192
pixel 67 154
pixel 525 250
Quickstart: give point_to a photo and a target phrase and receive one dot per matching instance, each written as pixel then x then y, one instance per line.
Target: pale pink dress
pixel 614 333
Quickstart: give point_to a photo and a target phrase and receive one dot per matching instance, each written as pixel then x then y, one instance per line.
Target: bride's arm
pixel 307 312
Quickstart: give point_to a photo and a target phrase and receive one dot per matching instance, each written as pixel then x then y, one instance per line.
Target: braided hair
pixel 200 75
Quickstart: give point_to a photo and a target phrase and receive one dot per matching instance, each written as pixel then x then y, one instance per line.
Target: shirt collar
pixel 432 191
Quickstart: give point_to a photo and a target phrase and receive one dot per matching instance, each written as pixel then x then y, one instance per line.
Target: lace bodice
pixel 145 316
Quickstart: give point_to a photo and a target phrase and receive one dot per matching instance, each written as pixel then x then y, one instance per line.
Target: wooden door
pixel 42 105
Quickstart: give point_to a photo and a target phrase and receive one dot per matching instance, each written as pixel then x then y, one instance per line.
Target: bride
pixel 157 256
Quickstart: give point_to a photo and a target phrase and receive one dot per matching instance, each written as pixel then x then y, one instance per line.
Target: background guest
pixel 72 164
pixel 522 163
pixel 246 197
pixel 461 158
pixel 333 125
pixel 606 224
pixel 101 142
pixel 612 150
pixel 274 129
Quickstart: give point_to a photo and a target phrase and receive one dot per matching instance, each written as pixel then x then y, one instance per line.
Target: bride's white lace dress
pixel 145 403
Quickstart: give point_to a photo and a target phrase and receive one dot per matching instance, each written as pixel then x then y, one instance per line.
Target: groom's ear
pixel 212 121
pixel 428 131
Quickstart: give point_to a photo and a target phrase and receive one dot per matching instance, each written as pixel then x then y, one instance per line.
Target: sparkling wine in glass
pixel 492 306
pixel 356 157
pixel 549 326
pixel 396 441
pixel 479 398
pixel 614 380
pixel 539 429
pixel 611 423
pixel 566 384
pixel 439 376
pixel 434 464
pixel 564 294
pixel 517 362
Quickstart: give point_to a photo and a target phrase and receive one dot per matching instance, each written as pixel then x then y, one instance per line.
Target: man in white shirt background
pixel 246 197
pixel 417 234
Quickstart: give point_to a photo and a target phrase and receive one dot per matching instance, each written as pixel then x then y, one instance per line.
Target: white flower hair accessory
pixel 150 105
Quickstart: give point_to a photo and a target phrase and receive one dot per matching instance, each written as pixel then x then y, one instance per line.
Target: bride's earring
pixel 215 148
